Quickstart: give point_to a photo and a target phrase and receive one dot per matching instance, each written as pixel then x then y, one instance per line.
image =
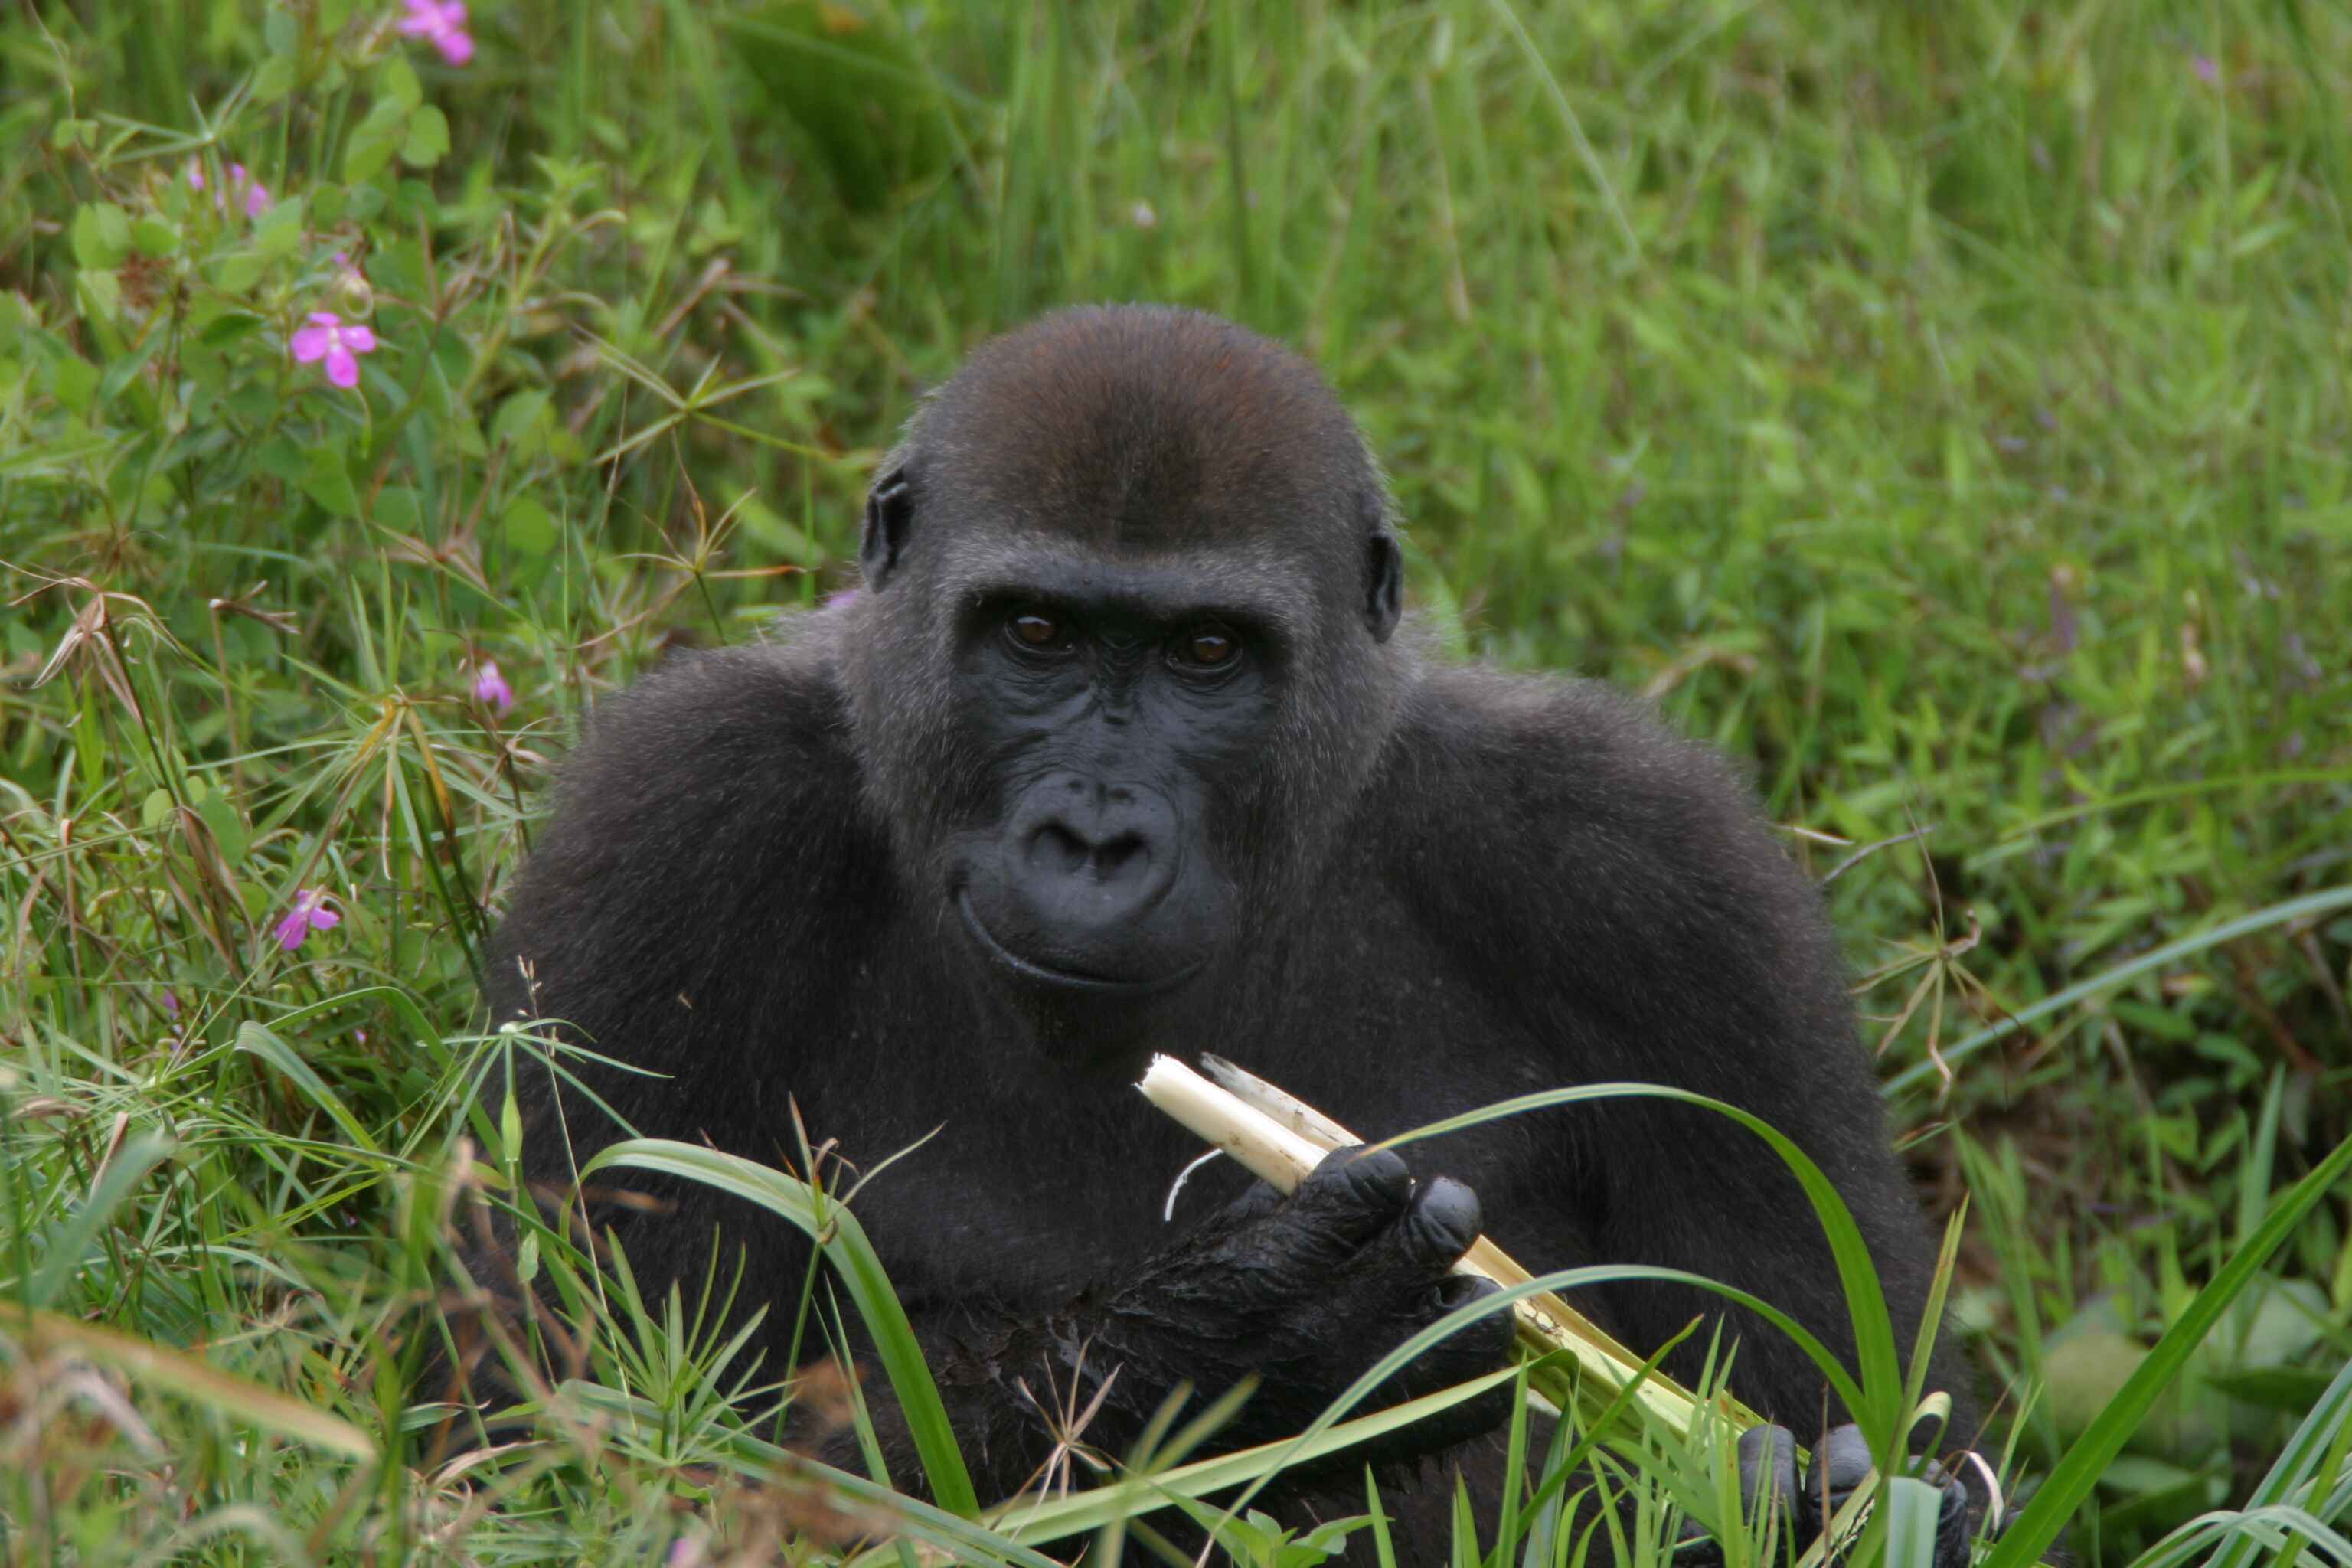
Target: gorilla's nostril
pixel 1057 849
pixel 1119 859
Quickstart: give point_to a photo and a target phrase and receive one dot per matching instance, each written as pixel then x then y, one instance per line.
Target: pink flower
pixel 307 916
pixel 2208 71
pixel 491 688
pixel 256 197
pixel 338 342
pixel 442 24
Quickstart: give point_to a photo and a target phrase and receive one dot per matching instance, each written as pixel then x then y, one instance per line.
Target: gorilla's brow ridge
pixel 1170 586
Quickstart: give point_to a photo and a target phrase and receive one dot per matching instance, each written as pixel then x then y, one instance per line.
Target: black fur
pixel 916 875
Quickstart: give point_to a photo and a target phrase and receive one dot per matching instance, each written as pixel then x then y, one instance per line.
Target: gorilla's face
pixel 1116 709
pixel 1123 663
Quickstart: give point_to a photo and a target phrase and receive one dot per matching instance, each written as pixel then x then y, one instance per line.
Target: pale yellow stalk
pixel 1280 1138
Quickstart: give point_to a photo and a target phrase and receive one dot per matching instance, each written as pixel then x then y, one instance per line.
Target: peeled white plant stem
pixel 1280 1139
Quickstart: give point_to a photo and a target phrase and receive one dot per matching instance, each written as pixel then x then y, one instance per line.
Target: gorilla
pixel 1123 746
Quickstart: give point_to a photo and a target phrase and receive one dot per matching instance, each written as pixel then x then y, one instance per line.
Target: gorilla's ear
pixel 889 507
pixel 1383 584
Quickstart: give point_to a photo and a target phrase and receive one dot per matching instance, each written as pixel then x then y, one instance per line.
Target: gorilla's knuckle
pixel 1354 1191
pixel 1370 1176
pixel 1842 1459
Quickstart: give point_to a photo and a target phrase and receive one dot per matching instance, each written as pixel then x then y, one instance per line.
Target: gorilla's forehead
pixel 1143 427
pixel 1250 578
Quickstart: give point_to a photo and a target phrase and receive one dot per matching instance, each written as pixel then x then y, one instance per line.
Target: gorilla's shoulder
pixel 743 724
pixel 1575 753
pixel 719 792
pixel 1569 808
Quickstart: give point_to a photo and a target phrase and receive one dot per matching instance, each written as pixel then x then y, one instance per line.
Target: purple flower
pixel 171 1003
pixel 307 916
pixel 255 199
pixel 491 688
pixel 442 24
pixel 2206 71
pixel 338 342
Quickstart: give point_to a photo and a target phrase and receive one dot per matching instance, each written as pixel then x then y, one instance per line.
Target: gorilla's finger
pixel 1352 1194
pixel 1476 1347
pixel 1767 1457
pixel 1842 1462
pixel 1442 1223
pixel 1956 1521
pixel 1254 1202
pixel 1768 1471
pixel 1843 1458
pixel 1436 1228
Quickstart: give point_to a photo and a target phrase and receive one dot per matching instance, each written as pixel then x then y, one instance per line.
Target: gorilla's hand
pixel 1305 1292
pixel 1842 1463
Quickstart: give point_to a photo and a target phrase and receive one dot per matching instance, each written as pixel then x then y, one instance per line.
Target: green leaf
pixel 1912 1508
pixel 154 236
pixel 102 235
pixel 2310 905
pixel 2038 1525
pixel 191 1377
pixel 228 826
pixel 68 1246
pixel 279 230
pixel 2302 1459
pixel 397 508
pixel 373 141
pixel 843 1241
pixel 101 300
pixel 1877 1402
pixel 518 420
pixel 74 380
pixel 275 80
pixel 281 458
pixel 326 480
pixel 428 138
pixel 529 530
pixel 254 1040
pixel 396 79
pixel 239 270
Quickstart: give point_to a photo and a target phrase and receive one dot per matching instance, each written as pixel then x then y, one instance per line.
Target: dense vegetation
pixel 1943 406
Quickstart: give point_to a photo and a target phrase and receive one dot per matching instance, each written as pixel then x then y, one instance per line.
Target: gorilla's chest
pixel 1030 1196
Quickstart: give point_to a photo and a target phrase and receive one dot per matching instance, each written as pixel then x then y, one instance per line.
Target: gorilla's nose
pixel 1092 854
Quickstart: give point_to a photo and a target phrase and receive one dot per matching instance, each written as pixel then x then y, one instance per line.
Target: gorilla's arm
pixel 1299 1295
pixel 708 905
pixel 707 858
pixel 1619 889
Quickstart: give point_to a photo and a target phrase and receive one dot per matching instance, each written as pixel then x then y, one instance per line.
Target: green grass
pixel 1943 406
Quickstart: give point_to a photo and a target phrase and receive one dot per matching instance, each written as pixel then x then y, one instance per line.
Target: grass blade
pixel 838 1235
pixel 2072 1480
pixel 191 1377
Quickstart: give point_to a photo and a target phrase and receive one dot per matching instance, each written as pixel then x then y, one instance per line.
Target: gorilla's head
pixel 1123 660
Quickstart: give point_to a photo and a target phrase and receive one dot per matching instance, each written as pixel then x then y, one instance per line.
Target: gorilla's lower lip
pixel 1062 979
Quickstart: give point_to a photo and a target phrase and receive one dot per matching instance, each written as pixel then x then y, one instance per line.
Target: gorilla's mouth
pixel 1063 979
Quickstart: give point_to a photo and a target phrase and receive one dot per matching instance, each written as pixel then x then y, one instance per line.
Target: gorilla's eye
pixel 1209 646
pixel 1038 632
